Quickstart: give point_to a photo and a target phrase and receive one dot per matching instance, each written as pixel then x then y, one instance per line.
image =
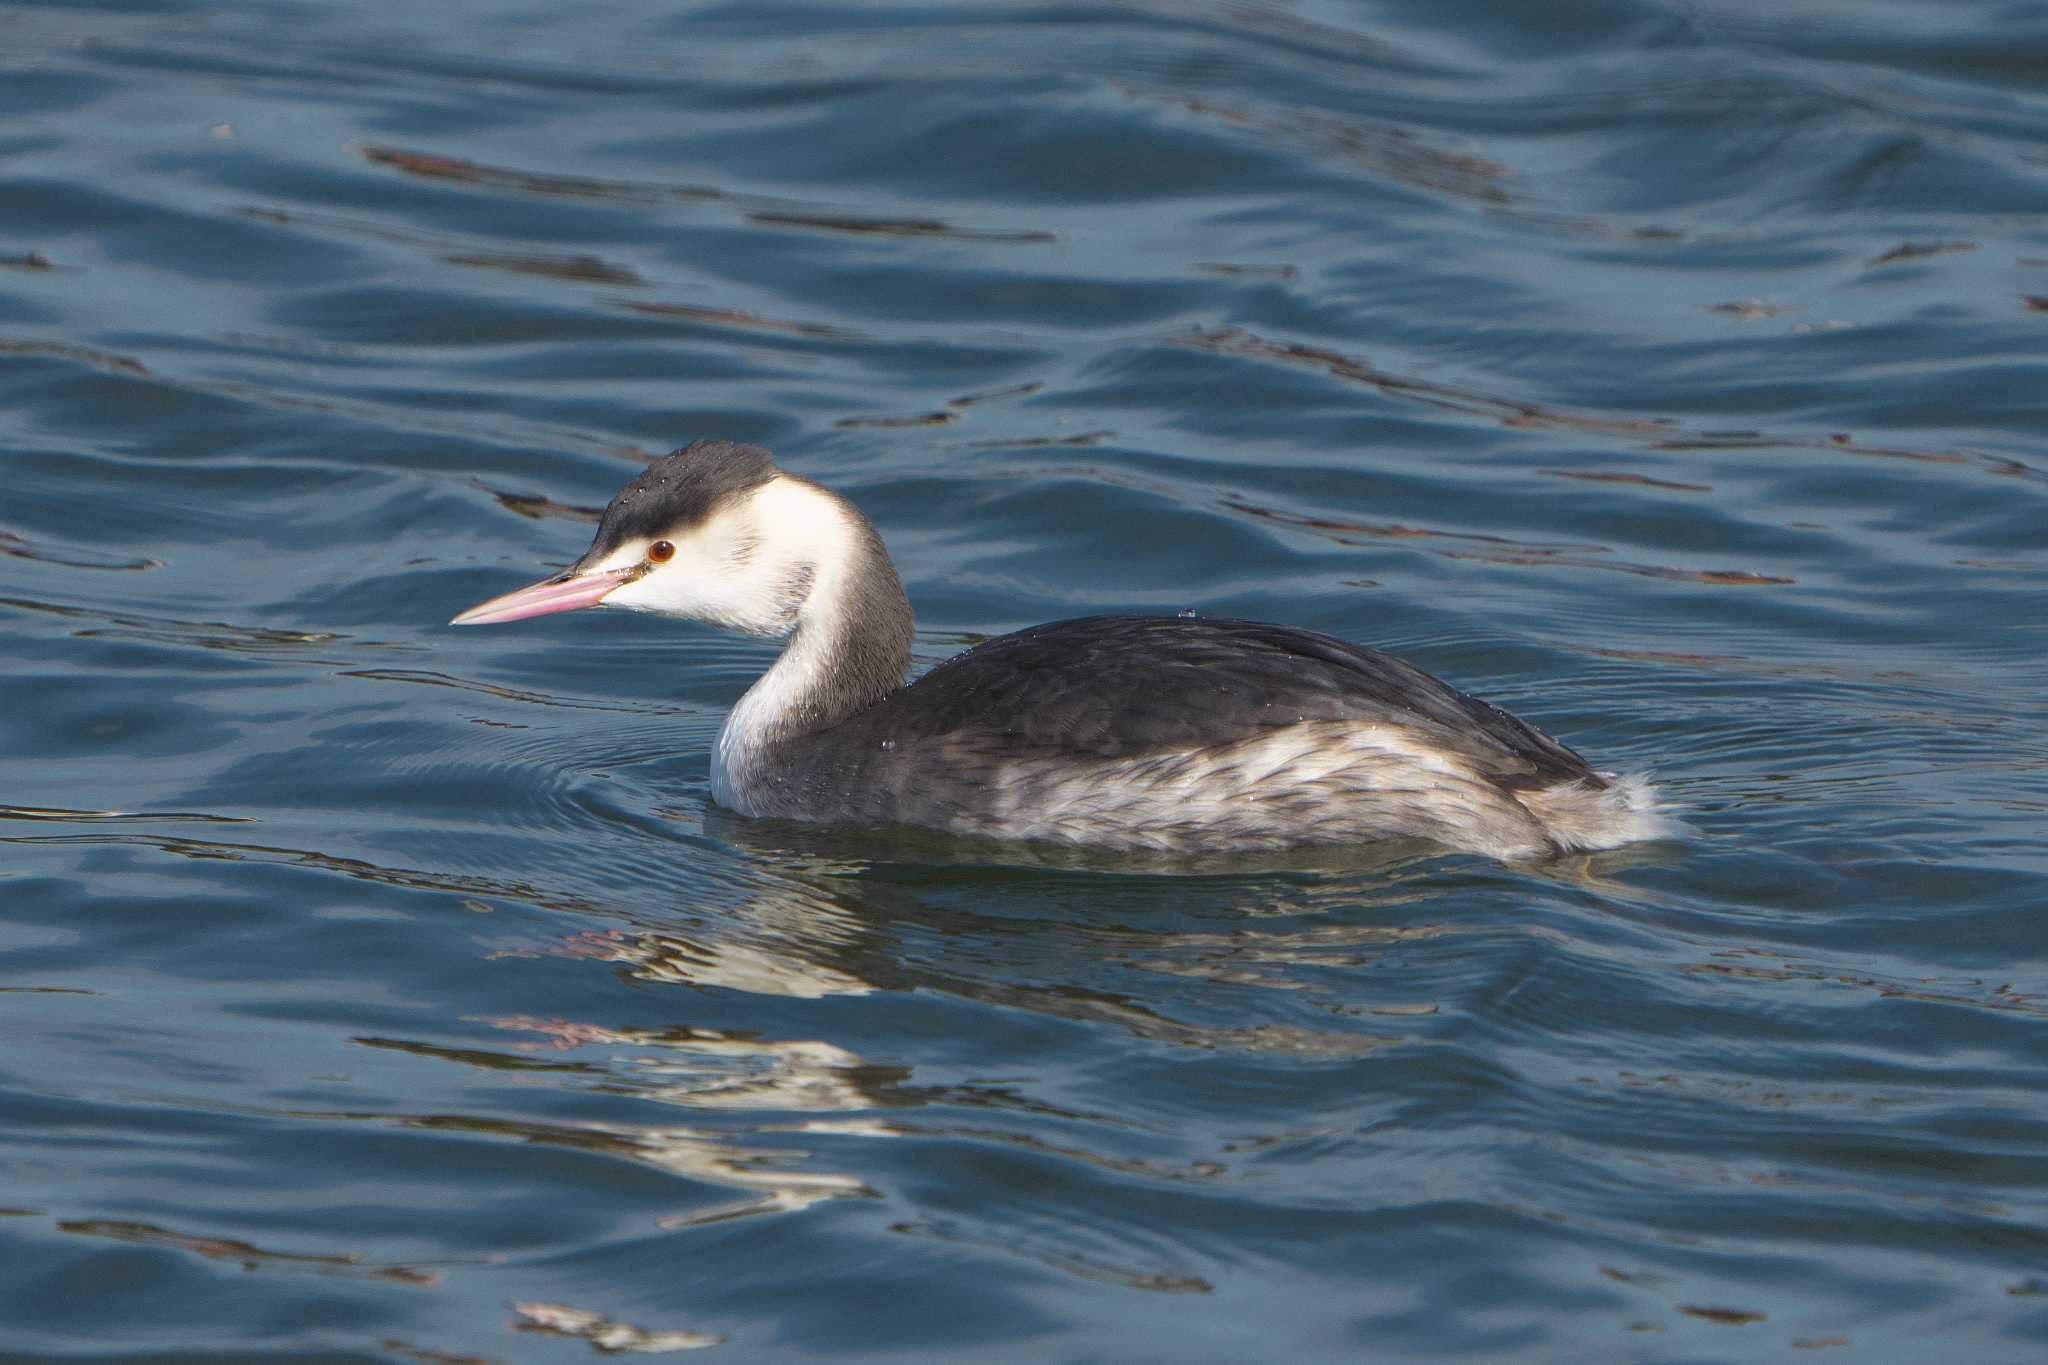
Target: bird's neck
pixel 850 648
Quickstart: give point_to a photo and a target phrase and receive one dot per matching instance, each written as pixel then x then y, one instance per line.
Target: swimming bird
pixel 1176 733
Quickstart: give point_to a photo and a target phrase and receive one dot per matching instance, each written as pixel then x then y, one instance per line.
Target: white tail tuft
pixel 1627 810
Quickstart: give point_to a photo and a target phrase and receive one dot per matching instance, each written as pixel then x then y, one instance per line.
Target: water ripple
pixel 1668 374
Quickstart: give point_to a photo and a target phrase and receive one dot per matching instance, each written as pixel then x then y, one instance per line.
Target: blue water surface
pixel 1668 371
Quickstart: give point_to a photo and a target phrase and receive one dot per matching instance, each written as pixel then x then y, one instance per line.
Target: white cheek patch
pixel 721 572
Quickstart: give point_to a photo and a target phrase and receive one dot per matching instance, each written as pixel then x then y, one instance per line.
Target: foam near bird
pixel 1154 732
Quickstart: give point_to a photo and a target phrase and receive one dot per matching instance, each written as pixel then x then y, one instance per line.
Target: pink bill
pixel 545 598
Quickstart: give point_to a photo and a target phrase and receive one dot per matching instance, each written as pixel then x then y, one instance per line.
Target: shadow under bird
pixel 1150 732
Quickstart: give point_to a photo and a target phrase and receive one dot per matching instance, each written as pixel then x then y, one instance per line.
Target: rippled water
pixel 1670 372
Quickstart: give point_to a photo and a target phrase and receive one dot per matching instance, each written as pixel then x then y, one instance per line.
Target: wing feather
pixel 1117 686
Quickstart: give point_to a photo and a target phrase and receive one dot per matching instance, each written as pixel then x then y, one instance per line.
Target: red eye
pixel 661 552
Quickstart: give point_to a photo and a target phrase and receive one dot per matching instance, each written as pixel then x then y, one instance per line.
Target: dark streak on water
pixel 1669 372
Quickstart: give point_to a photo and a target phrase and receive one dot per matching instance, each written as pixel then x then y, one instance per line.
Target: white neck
pixel 848 648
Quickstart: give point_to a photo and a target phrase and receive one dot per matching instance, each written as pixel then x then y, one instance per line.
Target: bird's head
pixel 714 532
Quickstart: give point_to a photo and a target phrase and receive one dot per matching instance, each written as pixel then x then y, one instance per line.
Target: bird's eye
pixel 661 552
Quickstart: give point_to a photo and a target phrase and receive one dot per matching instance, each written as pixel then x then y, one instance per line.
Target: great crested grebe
pixel 1152 732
